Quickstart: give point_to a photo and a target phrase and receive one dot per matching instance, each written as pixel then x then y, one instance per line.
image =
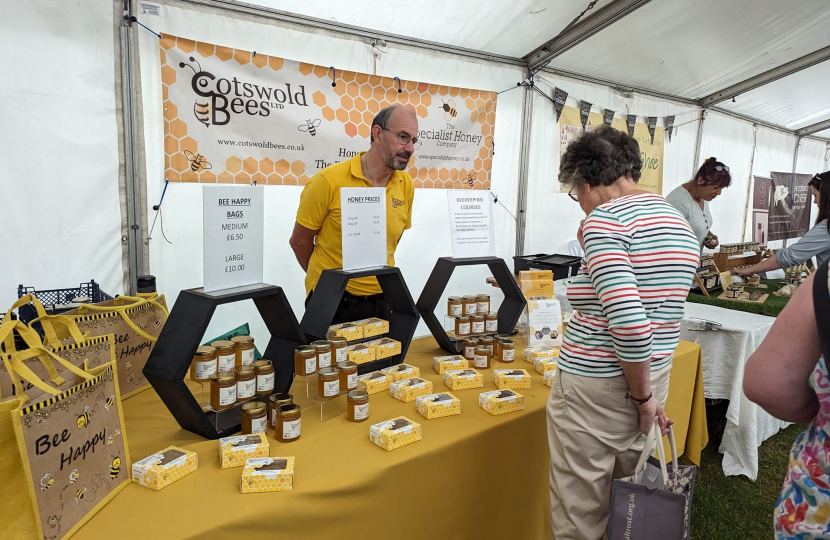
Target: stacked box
pixel 163 468
pixel 447 363
pixel 233 451
pixel 511 379
pixel 463 379
pixel 350 331
pixel 526 275
pixel 438 405
pixel 408 389
pixel 267 474
pixel 360 354
pixel 501 401
pixel 375 382
pixel 537 288
pixel 401 372
pixel 549 376
pixel 385 347
pixel 395 433
pixel 543 364
pixel 373 327
pixel 532 353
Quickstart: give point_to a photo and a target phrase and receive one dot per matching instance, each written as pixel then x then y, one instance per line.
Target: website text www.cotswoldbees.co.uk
pixel 262 144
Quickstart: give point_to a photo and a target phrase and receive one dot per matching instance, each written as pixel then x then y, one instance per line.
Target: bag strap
pixel 7 329
pixel 48 323
pixel 121 310
pixel 17 368
pixel 821 307
pixel 654 437
pixel 27 299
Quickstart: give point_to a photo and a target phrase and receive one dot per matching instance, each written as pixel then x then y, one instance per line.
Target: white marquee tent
pixel 81 135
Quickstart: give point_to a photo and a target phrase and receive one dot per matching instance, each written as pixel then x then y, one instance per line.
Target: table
pixel 467 470
pixel 771 307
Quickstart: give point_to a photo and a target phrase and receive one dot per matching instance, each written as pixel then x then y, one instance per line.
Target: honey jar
pixel 470 348
pixel 491 322
pixel 243 348
pixel 225 355
pixel 483 303
pixel 462 326
pixel 288 422
pixel 274 404
pixel 338 349
pixel 477 324
pixel 357 405
pixel 328 382
pixel 254 418
pixel 348 376
pixel 507 351
pixel 204 364
pixel 455 308
pixel 245 383
pixel 305 361
pixel 222 390
pixel 470 305
pixel 323 351
pixel 489 342
pixel 264 370
pixel 482 357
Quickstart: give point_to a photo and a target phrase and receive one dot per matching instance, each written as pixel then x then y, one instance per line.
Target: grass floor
pixel 772 307
pixel 734 507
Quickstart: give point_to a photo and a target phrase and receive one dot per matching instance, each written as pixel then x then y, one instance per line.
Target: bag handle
pixel 19 369
pixel 22 301
pixel 51 336
pixel 654 437
pixel 121 310
pixel 7 328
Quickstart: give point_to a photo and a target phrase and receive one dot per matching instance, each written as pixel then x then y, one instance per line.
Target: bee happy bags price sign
pixel 234 117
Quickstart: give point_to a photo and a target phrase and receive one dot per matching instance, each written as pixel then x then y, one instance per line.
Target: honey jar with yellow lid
pixel 274 403
pixel 225 355
pixel 455 307
pixel 323 350
pixel 483 304
pixel 328 382
pixel 462 326
pixel 204 364
pixel 254 418
pixel 245 383
pixel 243 348
pixel 482 357
pixel 288 423
pixel 477 324
pixel 357 405
pixel 264 370
pixel 470 305
pixel 338 349
pixel 305 361
pixel 223 390
pixel 491 322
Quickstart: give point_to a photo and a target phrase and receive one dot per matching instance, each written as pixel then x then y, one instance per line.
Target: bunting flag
pixel 559 98
pixel 608 117
pixel 669 126
pixel 652 126
pixel 584 111
pixel 632 120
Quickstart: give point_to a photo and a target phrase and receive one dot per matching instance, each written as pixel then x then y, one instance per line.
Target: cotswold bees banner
pixel 231 116
pixel 570 126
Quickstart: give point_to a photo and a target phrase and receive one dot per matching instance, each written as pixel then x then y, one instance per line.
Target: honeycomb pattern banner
pixel 237 117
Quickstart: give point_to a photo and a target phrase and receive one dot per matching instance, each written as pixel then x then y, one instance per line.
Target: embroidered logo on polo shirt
pixel 397 202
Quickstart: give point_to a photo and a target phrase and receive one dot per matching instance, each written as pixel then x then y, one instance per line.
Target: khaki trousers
pixel 594 437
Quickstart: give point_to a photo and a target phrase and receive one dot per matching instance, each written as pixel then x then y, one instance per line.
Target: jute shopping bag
pixel 655 502
pixel 136 323
pixel 71 447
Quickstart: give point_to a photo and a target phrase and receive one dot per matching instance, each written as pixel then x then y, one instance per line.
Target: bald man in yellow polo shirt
pixel 317 236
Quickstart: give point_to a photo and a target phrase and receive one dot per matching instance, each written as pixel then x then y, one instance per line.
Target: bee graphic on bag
pixel 157 323
pixel 117 433
pixel 310 126
pixel 53 521
pixel 197 162
pixel 130 378
pixel 109 402
pixel 79 495
pixel 115 467
pixel 73 476
pixel 449 109
pixel 83 418
pixel 46 482
pixel 110 440
pixel 128 365
pixel 471 178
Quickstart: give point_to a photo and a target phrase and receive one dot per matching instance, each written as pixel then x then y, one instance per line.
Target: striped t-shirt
pixel 640 259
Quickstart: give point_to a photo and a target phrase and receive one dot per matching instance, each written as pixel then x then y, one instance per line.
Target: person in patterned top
pixel 613 377
pixel 787 376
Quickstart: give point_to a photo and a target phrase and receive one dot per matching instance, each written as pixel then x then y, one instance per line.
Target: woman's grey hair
pixel 599 158
pixel 382 118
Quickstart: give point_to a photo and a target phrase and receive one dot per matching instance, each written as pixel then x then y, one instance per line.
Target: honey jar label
pixel 311 364
pixel 342 354
pixel 259 425
pixel 205 370
pixel 248 357
pixel 227 396
pixel 456 310
pixel 352 380
pixel 245 389
pixel 481 361
pixel 227 362
pixel 478 327
pixel 361 412
pixel 291 430
pixel 265 383
pixel 463 328
pixel 324 359
pixel 492 326
pixel 507 355
pixel 483 307
pixel 470 352
pixel 470 309
pixel 331 388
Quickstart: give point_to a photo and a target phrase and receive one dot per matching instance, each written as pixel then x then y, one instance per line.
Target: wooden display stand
pixel 725 261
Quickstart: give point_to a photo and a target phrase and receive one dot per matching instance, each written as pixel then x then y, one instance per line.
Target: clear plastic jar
pixel 243 348
pixel 328 382
pixel 288 423
pixel 254 418
pixel 357 405
pixel 223 390
pixel 245 383
pixel 305 361
pixel 264 370
pixel 204 364
pixel 455 307
pixel 274 403
pixel 225 355
pixel 323 351
pixel 348 376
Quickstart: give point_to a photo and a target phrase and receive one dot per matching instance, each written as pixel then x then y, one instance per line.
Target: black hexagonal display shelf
pixel 403 319
pixel 172 354
pixel 509 311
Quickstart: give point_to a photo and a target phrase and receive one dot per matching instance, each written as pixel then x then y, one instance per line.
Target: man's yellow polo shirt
pixel 320 211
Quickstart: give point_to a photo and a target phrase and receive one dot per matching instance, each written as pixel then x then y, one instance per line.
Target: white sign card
pixel 232 236
pixel 471 227
pixel 363 219
pixel 544 323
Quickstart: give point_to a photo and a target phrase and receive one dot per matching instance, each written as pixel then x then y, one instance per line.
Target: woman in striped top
pixel 613 380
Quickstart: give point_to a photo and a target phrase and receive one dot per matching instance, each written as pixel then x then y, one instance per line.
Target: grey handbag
pixel 655 503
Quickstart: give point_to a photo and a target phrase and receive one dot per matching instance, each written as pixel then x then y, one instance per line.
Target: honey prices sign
pixel 232 116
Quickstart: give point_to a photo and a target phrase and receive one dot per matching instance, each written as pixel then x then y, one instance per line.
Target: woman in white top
pixel 692 199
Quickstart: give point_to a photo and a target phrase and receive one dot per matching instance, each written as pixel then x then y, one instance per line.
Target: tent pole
pixel 524 162
pixel 751 179
pixel 698 143
pixel 795 161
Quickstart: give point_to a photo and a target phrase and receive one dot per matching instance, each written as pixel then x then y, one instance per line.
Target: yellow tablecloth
pixel 472 476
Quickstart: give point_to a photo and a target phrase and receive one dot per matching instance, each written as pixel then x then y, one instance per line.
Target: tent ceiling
pixel 506 28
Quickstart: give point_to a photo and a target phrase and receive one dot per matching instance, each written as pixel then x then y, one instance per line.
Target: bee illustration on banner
pixel 201 109
pixel 471 178
pixel 310 126
pixel 197 163
pixel 115 467
pixel 449 109
pixel 83 418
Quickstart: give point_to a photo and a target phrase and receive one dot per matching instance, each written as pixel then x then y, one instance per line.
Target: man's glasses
pixel 572 195
pixel 403 139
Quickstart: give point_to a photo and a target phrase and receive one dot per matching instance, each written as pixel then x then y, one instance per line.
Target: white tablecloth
pixel 725 353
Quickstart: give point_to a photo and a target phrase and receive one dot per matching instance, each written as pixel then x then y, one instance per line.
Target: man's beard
pixel 390 161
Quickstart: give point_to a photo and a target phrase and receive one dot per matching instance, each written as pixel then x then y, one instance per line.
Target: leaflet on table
pixel 544 323
pixel 363 215
pixel 471 223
